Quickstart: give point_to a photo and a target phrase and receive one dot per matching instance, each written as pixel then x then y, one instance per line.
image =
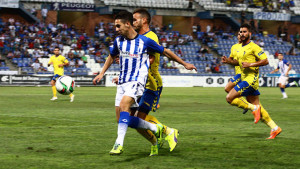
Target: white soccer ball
pixel 65 85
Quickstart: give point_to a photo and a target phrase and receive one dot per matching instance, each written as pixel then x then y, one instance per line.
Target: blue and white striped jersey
pixel 134 59
pixel 283 66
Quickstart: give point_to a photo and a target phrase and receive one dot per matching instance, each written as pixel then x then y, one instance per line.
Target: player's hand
pixel 189 66
pixel 286 74
pixel 115 80
pixel 224 59
pixel 61 65
pixel 97 79
pixel 246 64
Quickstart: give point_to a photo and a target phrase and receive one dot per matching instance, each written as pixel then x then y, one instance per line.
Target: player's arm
pixel 65 63
pixel 154 47
pixel 262 58
pixel 114 51
pixel 107 64
pixel 50 62
pixel 290 67
pixel 176 58
pixel 230 61
pixel 275 70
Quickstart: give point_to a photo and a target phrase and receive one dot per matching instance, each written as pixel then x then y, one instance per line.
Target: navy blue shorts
pixel 236 79
pixel 55 77
pixel 149 100
pixel 245 89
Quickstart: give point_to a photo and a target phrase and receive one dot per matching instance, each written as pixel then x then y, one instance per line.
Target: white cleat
pixel 54 98
pixel 284 97
pixel 72 98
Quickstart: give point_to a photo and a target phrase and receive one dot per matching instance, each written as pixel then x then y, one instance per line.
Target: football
pixel 65 85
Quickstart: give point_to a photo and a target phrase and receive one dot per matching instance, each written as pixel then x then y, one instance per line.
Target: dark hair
pixel 246 26
pixel 280 53
pixel 56 47
pixel 125 16
pixel 144 13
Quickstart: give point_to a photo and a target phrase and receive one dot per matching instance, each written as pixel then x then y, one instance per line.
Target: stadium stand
pixel 67 1
pixel 176 4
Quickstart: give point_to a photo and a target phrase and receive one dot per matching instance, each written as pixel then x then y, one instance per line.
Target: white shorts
pixel 283 80
pixel 132 89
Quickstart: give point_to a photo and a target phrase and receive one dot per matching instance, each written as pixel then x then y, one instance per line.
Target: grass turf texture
pixel 38 133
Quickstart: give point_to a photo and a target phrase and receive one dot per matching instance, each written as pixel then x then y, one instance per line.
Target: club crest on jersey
pixel 127 54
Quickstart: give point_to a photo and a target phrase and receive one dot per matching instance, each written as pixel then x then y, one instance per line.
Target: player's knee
pixel 228 99
pixel 226 89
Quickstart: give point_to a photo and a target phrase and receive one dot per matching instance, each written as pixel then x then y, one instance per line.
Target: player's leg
pixel 275 130
pixel 234 98
pixel 53 81
pixel 230 85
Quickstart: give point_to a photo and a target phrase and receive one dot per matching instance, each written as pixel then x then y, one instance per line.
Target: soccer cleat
pixel 154 150
pixel 116 150
pixel 256 114
pixel 72 98
pixel 54 98
pixel 245 111
pixel 172 139
pixel 284 97
pixel 296 84
pixel 159 133
pixel 275 133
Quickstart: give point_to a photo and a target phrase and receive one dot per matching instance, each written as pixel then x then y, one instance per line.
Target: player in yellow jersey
pixel 250 57
pixel 59 62
pixel 237 78
pixel 150 99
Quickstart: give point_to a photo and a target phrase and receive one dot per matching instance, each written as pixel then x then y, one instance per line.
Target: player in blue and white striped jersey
pixel 284 66
pixel 132 49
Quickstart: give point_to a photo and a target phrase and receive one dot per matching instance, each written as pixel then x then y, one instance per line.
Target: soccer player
pixel 132 49
pixel 250 58
pixel 284 66
pixel 237 78
pixel 150 99
pixel 59 62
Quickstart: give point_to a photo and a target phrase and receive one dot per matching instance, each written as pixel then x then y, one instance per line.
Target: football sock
pixel 122 127
pixel 243 103
pixel 54 91
pixel 71 95
pixel 292 83
pixel 283 92
pixel 152 119
pixel 266 118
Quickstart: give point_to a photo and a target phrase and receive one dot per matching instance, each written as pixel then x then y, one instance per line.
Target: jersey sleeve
pixel 259 53
pixel 231 52
pixel 65 60
pixel 153 46
pixel 50 60
pixel 114 51
pixel 286 62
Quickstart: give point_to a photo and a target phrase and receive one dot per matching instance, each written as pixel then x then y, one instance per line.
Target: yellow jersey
pixel 233 54
pixel 57 61
pixel 154 79
pixel 250 53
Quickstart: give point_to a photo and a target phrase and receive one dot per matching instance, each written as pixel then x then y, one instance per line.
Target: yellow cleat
pixel 116 150
pixel 172 139
pixel 154 150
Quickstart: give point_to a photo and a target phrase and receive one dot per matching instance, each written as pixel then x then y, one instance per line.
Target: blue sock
pixel 124 117
pixel 133 122
pixel 288 85
pixel 122 127
pixel 282 90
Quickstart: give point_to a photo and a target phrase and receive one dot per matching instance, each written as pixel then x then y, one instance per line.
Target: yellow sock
pixel 241 102
pixel 54 91
pixel 71 95
pixel 265 117
pixel 148 135
pixel 154 120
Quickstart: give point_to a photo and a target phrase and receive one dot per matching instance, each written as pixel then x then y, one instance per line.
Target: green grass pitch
pixel 38 133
